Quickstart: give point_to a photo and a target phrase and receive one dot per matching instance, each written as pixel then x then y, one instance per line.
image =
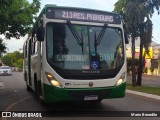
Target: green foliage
pixel 17 16
pixel 145 70
pixel 129 63
pixel 136 16
pixel 151 69
pixel 134 12
pixel 145 89
pixel 7 59
pixel 19 63
pixel 13 59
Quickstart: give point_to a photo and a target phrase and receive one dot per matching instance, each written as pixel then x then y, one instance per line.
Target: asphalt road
pixel 14 97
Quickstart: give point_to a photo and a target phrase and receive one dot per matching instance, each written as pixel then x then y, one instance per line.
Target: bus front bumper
pixel 52 94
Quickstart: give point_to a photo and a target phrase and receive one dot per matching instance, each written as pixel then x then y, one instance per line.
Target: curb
pixel 156 97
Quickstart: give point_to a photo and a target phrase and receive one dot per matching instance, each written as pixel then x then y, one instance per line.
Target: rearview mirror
pixel 40 34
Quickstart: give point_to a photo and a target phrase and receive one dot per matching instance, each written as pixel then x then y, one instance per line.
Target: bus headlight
pixel 52 80
pixel 121 79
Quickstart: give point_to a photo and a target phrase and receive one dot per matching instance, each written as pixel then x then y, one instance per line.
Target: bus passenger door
pixel 36 64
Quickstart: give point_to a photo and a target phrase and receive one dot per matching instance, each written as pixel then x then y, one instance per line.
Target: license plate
pixel 91 97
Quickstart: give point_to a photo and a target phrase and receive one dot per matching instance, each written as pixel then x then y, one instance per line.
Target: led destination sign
pixel 83 15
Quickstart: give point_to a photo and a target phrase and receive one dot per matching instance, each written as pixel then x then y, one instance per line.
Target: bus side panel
pixel 25 61
pixel 34 69
pixel 36 65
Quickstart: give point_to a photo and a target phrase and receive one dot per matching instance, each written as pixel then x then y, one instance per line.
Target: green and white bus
pixel 76 54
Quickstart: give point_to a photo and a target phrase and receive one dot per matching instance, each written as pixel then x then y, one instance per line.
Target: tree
pixel 134 13
pixel 129 12
pixel 7 59
pixel 145 40
pixel 19 63
pixel 146 34
pixel 17 17
pixel 2 47
pixel 17 59
pixel 13 59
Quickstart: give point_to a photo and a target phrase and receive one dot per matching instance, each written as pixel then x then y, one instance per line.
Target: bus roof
pixel 54 6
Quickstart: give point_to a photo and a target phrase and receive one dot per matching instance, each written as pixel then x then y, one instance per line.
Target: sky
pixel 106 5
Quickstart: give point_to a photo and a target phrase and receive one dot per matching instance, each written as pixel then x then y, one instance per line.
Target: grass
pixel 145 89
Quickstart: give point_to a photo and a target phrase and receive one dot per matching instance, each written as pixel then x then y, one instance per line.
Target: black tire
pixel 36 85
pixel 43 102
pixel 25 76
pixel 29 89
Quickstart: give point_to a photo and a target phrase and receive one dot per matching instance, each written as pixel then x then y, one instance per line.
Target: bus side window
pixel 34 44
pixel 25 50
pixel 35 47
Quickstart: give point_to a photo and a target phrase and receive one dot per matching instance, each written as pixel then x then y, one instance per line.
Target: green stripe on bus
pixel 52 94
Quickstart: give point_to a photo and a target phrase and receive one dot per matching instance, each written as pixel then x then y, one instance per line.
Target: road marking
pixel 13 104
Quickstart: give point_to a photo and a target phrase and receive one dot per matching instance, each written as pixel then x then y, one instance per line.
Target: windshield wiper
pixel 75 34
pixel 97 40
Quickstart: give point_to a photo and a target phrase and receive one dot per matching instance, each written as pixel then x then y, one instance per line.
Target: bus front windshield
pixel 79 47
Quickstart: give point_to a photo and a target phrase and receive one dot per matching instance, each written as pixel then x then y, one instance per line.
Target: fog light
pixel 120 81
pixel 52 80
pixel 55 83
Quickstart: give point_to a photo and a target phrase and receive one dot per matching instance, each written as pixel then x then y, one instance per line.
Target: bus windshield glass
pixel 79 47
